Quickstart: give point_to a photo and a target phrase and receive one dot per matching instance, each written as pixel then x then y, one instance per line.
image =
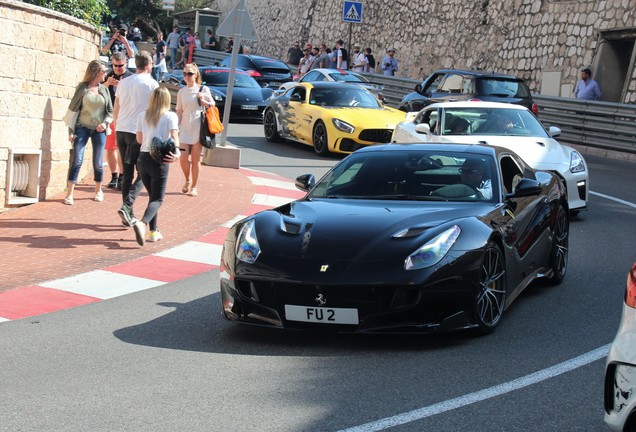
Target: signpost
pixel 237 25
pixel 351 13
pixel 168 4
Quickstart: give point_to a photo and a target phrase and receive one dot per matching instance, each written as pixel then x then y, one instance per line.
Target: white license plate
pixel 249 107
pixel 321 314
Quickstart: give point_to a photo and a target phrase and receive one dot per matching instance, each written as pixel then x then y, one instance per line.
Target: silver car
pixel 505 125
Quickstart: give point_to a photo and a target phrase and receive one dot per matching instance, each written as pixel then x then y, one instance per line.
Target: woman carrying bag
pixel 161 123
pixel 89 116
pixel 190 99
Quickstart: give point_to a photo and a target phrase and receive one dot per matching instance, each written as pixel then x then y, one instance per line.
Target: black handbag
pixel 205 137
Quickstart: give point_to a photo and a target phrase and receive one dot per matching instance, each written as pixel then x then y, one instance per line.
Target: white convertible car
pixel 504 125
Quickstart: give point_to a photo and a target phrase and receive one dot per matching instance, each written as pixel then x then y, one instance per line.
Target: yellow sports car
pixel 330 116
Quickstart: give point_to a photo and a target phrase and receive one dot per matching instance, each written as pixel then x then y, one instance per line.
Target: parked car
pixel 337 75
pixel 506 125
pixel 620 370
pixel 330 116
pixel 248 98
pixel 268 72
pixel 449 85
pixel 392 240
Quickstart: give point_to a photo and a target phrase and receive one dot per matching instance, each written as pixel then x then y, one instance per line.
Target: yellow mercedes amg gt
pixel 330 116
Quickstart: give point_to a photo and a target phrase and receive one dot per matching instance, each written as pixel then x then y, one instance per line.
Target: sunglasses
pixel 189 73
pixel 118 66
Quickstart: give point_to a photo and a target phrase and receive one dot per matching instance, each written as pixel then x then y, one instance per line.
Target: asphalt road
pixel 164 359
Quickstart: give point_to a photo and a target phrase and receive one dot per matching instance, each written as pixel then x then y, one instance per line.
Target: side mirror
pixel 295 98
pixel 418 88
pixel 423 128
pixel 305 182
pixel 525 188
pixel 554 131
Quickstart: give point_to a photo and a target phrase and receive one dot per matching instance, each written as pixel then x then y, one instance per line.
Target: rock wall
pixel 519 37
pixel 44 55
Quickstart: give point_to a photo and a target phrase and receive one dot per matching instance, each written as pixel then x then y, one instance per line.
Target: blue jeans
pixel 173 56
pixel 98 139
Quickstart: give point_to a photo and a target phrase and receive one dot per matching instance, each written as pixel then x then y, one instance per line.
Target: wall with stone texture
pixel 44 55
pixel 519 37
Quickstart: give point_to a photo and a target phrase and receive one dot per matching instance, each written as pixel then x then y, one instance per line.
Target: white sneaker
pixel 68 200
pixel 155 236
pixel 99 196
pixel 140 232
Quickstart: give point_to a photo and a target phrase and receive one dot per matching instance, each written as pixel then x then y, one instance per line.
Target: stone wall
pixel 44 55
pixel 519 37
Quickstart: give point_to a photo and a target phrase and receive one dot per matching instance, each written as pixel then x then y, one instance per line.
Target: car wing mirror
pixel 554 131
pixel 295 98
pixel 418 88
pixel 305 182
pixel 525 188
pixel 423 128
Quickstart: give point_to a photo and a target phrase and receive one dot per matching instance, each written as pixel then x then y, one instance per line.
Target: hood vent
pixel 410 232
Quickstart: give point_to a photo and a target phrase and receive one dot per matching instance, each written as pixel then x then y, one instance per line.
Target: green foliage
pixel 91 11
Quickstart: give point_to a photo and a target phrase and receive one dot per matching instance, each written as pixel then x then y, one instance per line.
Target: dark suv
pixel 449 85
pixel 267 72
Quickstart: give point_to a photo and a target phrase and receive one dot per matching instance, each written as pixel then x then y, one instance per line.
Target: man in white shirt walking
pixel 132 97
pixel 359 61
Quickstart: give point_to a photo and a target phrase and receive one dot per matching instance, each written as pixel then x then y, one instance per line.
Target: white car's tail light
pixel 630 290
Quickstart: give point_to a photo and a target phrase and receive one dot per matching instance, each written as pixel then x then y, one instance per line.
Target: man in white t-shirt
pixel 359 60
pixel 132 97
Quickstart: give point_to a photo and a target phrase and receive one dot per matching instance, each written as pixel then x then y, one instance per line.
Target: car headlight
pixel 343 126
pixel 576 162
pixel 217 97
pixel 433 251
pixel 247 248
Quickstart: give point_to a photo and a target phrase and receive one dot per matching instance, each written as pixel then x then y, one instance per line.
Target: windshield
pixel 343 97
pixel 347 77
pixel 418 175
pixel 219 77
pixel 490 121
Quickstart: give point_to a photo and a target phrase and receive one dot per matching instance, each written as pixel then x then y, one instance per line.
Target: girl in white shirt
pixel 157 121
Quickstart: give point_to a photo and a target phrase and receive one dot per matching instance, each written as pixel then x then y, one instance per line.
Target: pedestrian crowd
pixel 310 57
pixel 127 119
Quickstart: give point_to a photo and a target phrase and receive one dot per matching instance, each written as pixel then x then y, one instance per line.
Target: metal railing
pixel 605 125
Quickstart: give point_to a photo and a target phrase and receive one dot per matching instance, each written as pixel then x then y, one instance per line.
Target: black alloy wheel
pixel 491 296
pixel 270 127
pixel 320 140
pixel 559 253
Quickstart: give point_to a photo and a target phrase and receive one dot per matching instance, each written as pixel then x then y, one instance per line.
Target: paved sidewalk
pixel 45 246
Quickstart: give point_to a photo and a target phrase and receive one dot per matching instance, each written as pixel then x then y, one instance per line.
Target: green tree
pixel 91 11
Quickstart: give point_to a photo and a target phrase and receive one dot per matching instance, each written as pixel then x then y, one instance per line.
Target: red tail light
pixel 535 108
pixel 254 73
pixel 630 290
pixel 474 100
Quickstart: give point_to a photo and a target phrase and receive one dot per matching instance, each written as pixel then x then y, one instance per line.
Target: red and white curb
pixel 188 259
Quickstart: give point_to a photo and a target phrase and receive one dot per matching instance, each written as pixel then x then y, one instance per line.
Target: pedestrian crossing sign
pixel 352 11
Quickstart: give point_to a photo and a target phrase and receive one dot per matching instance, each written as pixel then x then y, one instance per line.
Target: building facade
pixel 545 42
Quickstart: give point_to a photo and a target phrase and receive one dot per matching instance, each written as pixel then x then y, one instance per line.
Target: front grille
pixel 376 135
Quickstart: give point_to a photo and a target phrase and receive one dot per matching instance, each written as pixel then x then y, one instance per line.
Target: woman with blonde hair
pixel 190 100
pixel 161 123
pixel 94 108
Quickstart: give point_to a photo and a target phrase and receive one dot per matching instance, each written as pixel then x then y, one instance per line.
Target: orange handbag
pixel 214 120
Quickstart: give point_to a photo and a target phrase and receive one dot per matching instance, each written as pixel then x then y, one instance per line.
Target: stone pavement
pixel 45 246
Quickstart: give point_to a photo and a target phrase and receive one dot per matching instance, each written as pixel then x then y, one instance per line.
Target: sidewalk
pixel 50 240
pixel 45 245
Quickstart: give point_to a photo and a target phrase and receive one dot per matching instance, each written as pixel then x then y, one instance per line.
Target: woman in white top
pixel 190 101
pixel 157 121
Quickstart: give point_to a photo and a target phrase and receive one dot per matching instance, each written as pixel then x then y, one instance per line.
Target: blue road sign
pixel 352 11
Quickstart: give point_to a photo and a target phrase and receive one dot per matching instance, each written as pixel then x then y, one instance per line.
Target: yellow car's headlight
pixel 343 126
